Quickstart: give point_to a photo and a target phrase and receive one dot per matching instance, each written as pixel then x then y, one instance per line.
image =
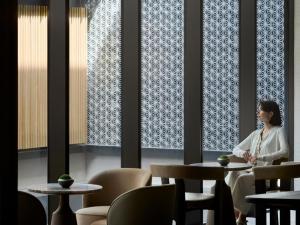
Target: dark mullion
pixel 58 92
pixel 247 93
pixel 193 81
pixel 9 112
pixel 130 85
pixel 289 68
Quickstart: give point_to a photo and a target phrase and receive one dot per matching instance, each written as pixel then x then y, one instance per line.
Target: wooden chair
pixel 197 201
pixel 152 205
pixel 30 210
pixel 272 186
pixel 273 183
pixel 114 182
pixel 285 172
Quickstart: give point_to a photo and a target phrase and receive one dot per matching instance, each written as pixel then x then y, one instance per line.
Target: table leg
pixel 224 212
pixel 285 216
pixel 63 215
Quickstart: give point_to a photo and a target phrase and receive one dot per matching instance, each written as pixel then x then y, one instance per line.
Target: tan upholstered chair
pixel 285 173
pixel 114 182
pixel 30 210
pixel 152 205
pixel 186 201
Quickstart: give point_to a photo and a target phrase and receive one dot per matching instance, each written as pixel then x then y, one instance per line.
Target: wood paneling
pixel 32 74
pixel 78 75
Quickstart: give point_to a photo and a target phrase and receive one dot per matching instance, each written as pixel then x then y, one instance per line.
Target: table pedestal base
pixel 63 215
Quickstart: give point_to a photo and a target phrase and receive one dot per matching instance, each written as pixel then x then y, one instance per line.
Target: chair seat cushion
pixel 99 222
pixel 88 215
pixel 199 200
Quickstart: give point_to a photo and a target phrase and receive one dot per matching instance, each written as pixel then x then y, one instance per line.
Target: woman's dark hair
pixel 271 106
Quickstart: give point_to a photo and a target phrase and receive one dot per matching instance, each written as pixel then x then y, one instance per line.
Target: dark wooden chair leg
pixel 201 217
pixel 298 216
pixel 285 216
pixel 273 216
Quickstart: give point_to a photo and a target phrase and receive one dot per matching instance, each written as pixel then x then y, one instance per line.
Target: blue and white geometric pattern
pixel 271 82
pixel 220 75
pixel 162 73
pixel 104 72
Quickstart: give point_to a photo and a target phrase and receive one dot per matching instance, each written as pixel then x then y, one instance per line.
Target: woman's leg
pixel 244 186
pixel 230 180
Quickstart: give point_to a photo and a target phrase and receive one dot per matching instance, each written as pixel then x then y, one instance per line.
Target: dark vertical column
pixel 130 85
pixel 193 92
pixel 58 92
pixel 192 81
pixel 247 67
pixel 9 110
pixel 289 6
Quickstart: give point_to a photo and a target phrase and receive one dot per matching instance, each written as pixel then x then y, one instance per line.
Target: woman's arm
pixel 242 149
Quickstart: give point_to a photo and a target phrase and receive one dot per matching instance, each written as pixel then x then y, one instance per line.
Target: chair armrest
pixel 234 158
pixel 279 161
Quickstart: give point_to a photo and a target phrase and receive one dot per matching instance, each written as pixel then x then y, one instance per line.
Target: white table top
pixel 55 188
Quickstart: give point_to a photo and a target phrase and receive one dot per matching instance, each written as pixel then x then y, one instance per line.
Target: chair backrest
pixel 114 183
pixel 30 210
pixel 187 172
pixel 153 205
pixel 284 172
pixel 290 163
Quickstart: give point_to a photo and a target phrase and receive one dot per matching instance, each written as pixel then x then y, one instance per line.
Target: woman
pixel 261 147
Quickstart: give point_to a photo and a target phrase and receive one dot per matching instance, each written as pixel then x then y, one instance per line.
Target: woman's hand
pixel 252 159
pixel 246 155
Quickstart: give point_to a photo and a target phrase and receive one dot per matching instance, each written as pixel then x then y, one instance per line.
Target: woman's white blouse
pixel 273 146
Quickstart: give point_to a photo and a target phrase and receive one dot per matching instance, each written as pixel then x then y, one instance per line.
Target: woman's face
pixel 264 116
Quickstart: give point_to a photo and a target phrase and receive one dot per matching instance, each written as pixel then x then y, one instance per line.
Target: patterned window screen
pixel 271 82
pixel 220 75
pixel 104 72
pixel 162 73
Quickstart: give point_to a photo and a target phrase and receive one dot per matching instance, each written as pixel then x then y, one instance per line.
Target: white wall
pixel 297 85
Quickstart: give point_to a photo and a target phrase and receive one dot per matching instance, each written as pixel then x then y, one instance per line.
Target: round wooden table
pixel 64 215
pixel 232 166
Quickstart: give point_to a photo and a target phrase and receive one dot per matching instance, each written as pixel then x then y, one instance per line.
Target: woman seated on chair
pixel 261 147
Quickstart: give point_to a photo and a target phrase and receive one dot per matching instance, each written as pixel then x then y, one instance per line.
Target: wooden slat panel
pixel 32 84
pixel 78 75
pixel 32 75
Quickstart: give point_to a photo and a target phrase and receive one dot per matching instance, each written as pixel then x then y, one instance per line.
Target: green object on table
pixel 65 180
pixel 223 160
pixel 65 177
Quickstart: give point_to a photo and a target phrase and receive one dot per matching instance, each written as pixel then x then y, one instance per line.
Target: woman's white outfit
pixel 273 145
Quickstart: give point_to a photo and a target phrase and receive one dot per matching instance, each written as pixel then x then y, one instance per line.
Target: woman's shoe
pixel 240 222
